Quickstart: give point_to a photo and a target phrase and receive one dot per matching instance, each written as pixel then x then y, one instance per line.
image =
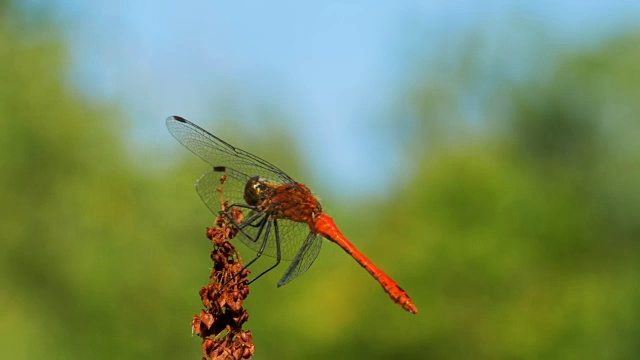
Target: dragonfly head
pixel 254 191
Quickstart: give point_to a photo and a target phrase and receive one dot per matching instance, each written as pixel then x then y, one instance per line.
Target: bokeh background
pixel 485 154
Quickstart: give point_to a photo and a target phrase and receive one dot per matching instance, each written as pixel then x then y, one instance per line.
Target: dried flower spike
pixel 219 324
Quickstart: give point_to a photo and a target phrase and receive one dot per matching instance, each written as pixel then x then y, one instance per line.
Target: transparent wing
pixel 232 189
pixel 291 234
pixel 303 260
pixel 221 154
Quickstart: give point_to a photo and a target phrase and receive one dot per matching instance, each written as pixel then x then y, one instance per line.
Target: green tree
pixel 82 267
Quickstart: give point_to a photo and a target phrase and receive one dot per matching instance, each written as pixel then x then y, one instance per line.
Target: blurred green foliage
pixel 517 242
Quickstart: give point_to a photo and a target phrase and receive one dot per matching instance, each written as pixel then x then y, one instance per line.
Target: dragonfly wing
pixel 232 188
pixel 306 256
pixel 218 153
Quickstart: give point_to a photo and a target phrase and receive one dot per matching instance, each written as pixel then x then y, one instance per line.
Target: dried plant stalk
pixel 219 324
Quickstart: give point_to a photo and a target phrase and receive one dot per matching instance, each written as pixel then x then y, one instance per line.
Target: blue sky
pixel 333 67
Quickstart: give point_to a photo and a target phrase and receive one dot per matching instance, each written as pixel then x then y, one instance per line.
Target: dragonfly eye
pixel 254 191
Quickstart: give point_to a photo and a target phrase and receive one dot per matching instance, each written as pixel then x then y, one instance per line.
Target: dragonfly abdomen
pixel 326 228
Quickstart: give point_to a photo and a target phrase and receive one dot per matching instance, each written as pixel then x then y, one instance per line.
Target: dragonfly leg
pixel 262 247
pixel 246 206
pixel 248 222
pixel 278 255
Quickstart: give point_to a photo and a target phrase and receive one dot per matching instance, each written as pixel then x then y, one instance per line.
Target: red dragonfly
pixel 281 217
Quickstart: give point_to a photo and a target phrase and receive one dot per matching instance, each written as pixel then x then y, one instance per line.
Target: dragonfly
pixel 281 217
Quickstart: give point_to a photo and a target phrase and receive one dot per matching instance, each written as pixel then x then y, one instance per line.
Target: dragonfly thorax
pixel 292 201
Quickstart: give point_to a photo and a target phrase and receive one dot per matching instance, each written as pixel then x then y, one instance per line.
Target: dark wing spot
pixel 219 169
pixel 179 118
